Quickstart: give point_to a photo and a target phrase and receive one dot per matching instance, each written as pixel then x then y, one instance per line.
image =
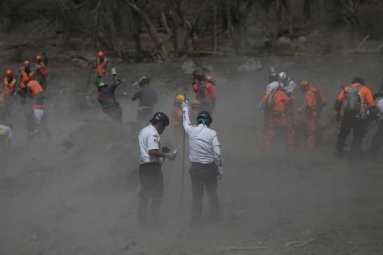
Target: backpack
pixel 352 100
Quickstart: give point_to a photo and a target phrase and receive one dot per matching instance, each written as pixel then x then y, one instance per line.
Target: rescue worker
pixel 147 97
pixel 266 100
pixel 354 105
pixel 9 87
pixel 206 160
pixel 41 70
pixel 107 99
pixel 36 116
pixel 204 90
pixel 26 76
pixel 101 66
pixel 290 87
pixel 377 141
pixel 312 108
pixel 176 119
pixel 150 173
pixel 277 120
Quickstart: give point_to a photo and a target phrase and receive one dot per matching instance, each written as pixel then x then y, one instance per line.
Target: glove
pixel 171 156
pixel 165 150
pixel 185 104
pixel 337 117
pixel 220 172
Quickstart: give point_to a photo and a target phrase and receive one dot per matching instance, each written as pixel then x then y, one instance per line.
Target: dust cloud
pixel 83 200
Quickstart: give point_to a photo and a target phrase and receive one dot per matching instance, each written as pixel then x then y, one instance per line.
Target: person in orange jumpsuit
pixel 277 121
pixel 354 105
pixel 314 102
pixel 204 90
pixel 26 75
pixel 41 70
pixel 101 66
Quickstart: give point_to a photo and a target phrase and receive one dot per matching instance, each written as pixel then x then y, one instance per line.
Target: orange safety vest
pixel 25 78
pixel 101 66
pixel 9 86
pixel 35 87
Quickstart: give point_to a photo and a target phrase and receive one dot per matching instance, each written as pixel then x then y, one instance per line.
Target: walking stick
pixel 183 165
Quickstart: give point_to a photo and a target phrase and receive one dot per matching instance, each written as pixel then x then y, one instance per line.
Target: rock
pixel 188 67
pixel 252 64
pixel 302 39
pixel 285 43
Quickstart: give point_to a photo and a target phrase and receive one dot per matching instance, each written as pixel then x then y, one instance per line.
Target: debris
pixel 303 243
pixel 252 64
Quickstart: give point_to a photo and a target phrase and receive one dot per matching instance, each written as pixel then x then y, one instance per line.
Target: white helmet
pixel 282 76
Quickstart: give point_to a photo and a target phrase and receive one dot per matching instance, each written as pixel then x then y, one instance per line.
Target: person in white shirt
pixel 150 173
pixel 5 135
pixel 377 141
pixel 206 168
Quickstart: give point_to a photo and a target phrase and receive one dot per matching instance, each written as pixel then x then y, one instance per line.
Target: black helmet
pixel 205 118
pixel 160 118
pixel 358 80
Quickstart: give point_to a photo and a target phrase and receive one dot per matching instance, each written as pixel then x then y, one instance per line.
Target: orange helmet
pixel 38 57
pixel 303 85
pixel 26 63
pixel 8 72
pixel 100 54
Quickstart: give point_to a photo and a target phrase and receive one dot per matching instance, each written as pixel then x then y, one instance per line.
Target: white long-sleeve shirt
pixel 203 142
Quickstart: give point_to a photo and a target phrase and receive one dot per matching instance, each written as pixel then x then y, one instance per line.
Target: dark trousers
pixel 114 111
pixel 144 115
pixel 358 128
pixel 152 187
pixel 377 141
pixel 204 176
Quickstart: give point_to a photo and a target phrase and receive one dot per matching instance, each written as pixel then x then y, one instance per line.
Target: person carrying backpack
pixel 277 120
pixel 314 103
pixel 354 105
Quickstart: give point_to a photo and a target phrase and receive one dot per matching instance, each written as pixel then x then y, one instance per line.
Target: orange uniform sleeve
pixel 341 95
pixel 210 91
pixel 195 87
pixel 265 98
pixel 285 98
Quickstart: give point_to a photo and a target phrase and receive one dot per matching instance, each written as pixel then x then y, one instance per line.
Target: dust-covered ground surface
pixel 83 200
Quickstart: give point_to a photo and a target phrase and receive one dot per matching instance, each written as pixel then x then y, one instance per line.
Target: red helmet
pixel 210 78
pixel 100 54
pixel 38 57
pixel 26 63
pixel 8 72
pixel 144 80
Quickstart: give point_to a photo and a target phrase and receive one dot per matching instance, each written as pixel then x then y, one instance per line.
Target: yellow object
pixel 180 98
